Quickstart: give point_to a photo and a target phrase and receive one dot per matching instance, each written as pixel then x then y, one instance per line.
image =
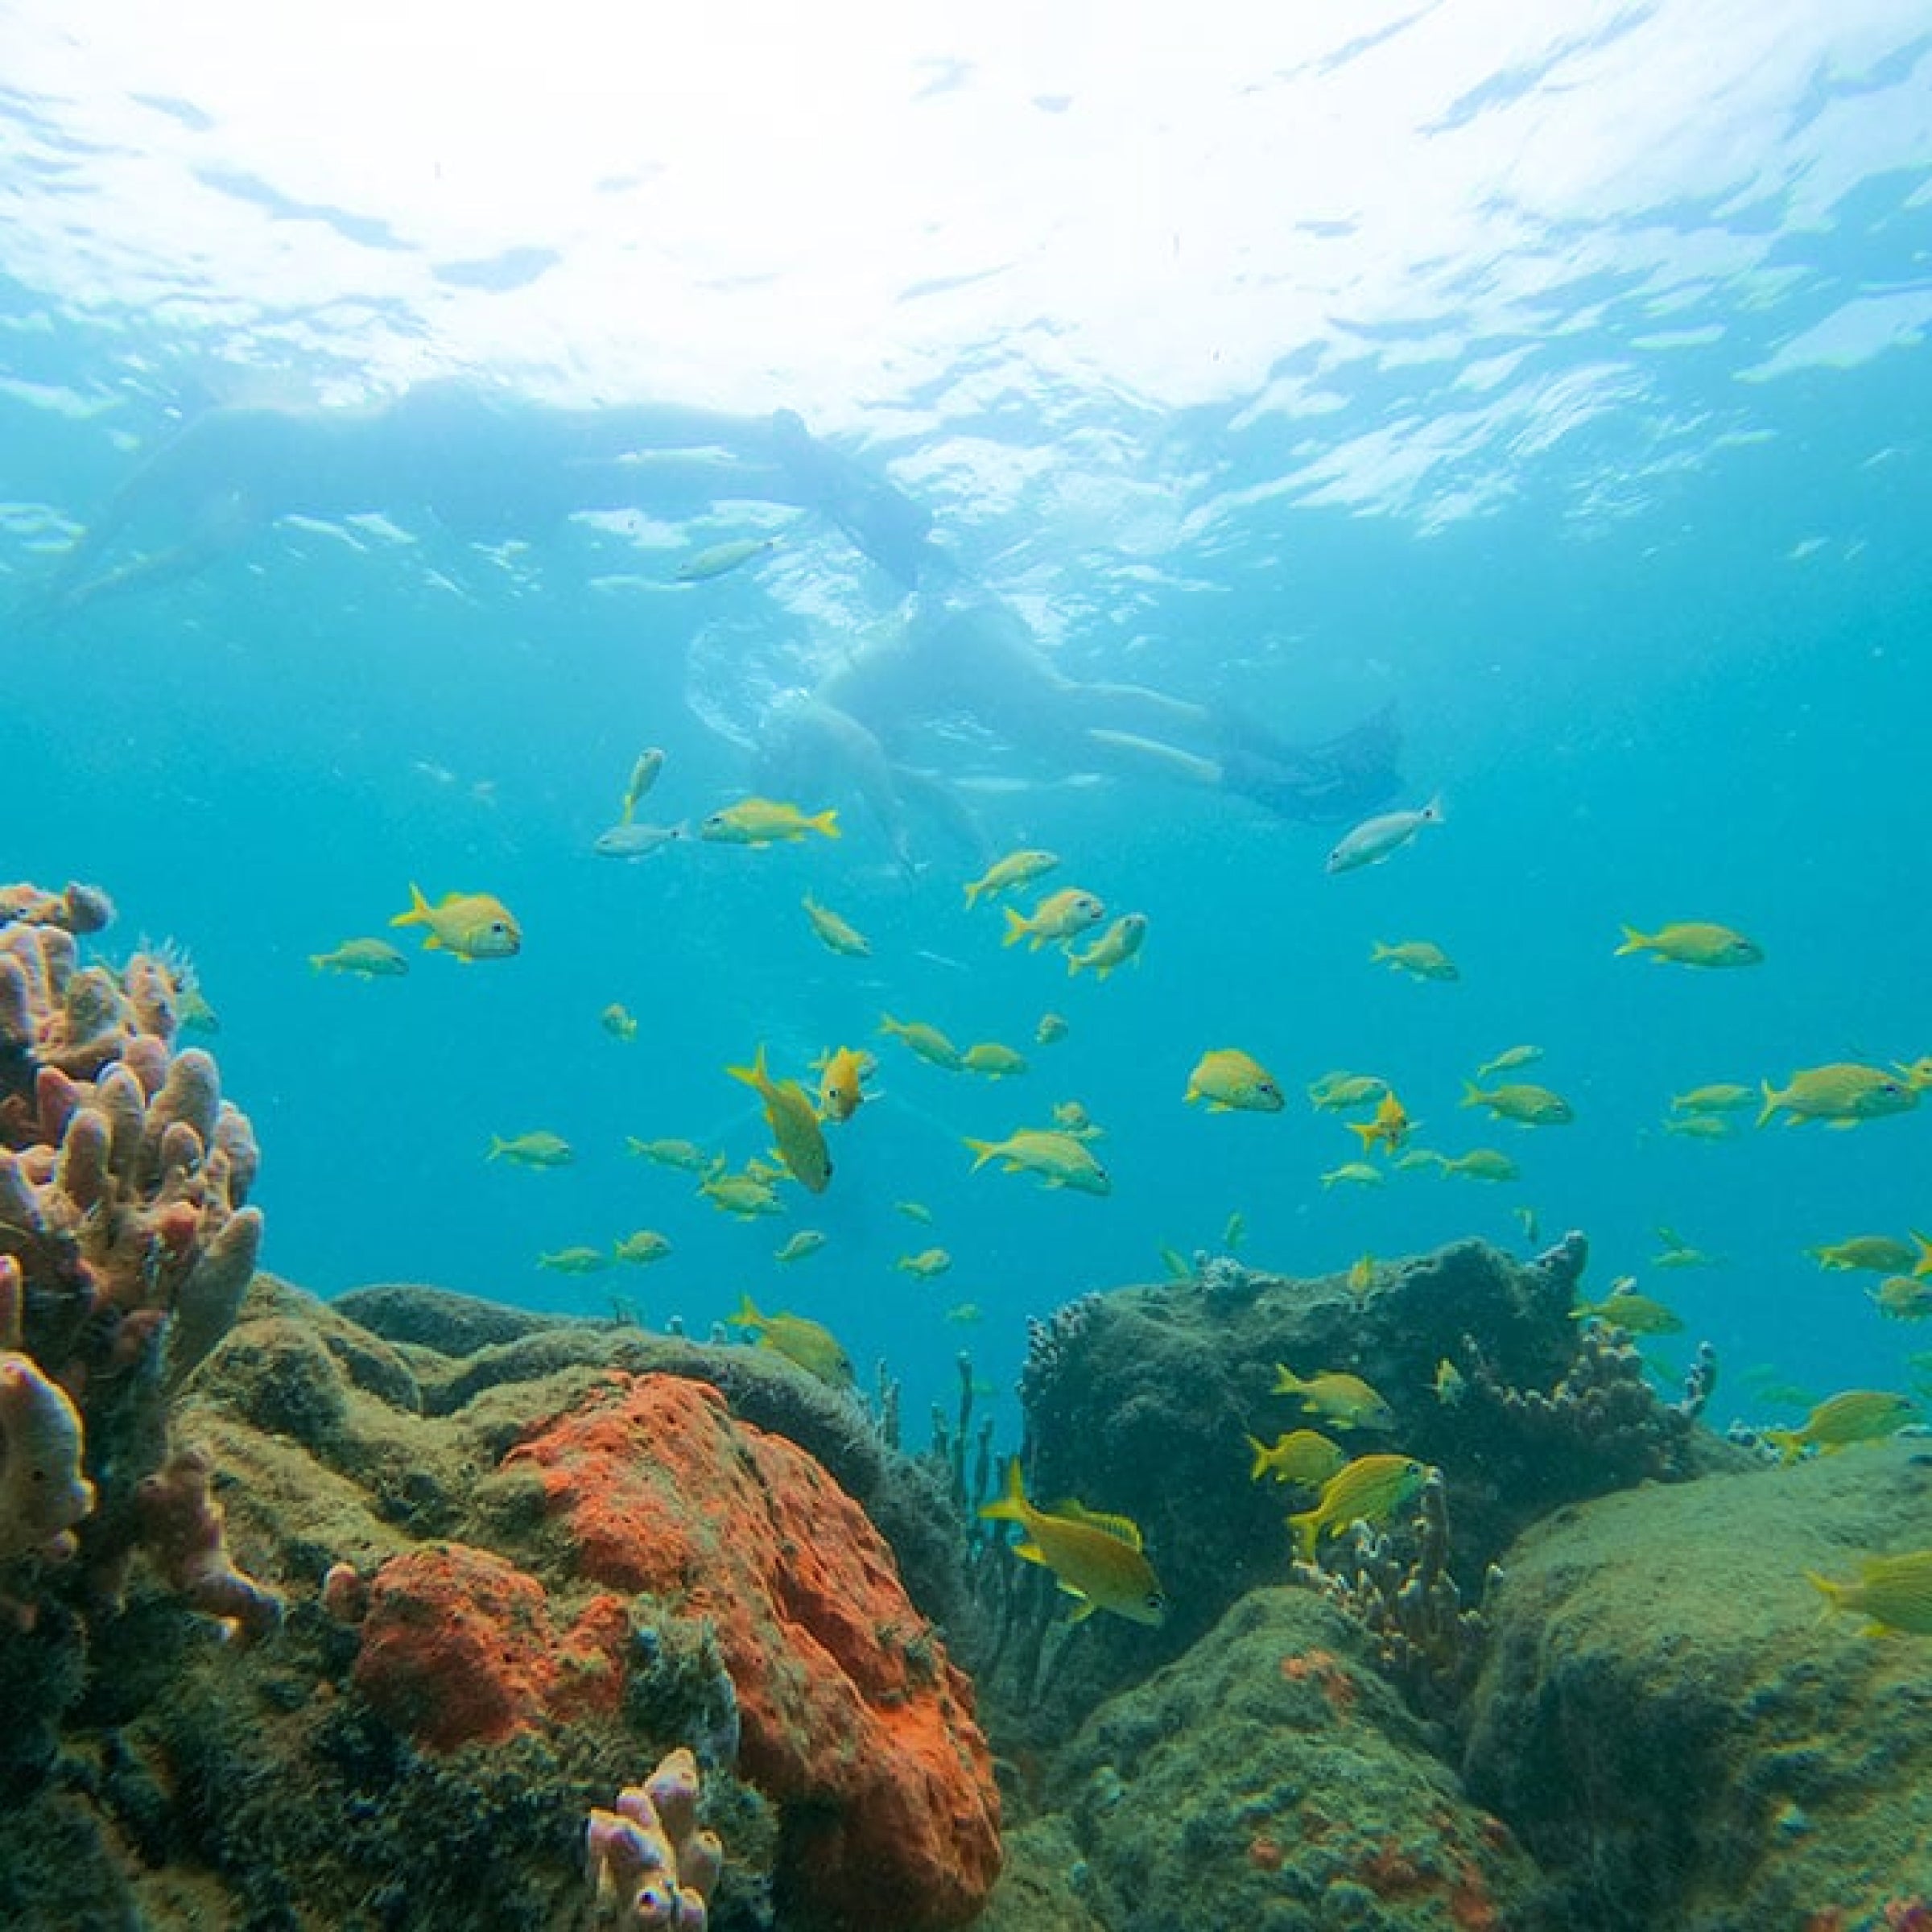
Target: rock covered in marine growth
pixel 1683 1734
pixel 1271 1779
pixel 853 1720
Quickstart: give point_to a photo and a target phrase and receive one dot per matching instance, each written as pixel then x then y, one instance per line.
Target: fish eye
pixel 1154 1600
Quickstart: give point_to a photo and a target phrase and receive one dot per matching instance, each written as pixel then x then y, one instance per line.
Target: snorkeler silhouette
pixel 488 465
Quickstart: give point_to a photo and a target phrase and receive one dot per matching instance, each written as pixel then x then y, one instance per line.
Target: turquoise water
pixel 1625 510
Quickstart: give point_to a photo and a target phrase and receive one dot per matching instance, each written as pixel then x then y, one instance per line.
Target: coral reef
pixel 651 1863
pixel 1138 1402
pixel 1271 1779
pixel 1667 1724
pixel 852 1718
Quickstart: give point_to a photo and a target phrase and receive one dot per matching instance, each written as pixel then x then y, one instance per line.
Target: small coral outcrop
pixel 651 1863
pixel 852 1721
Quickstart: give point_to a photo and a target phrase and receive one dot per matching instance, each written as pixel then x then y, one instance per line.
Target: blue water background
pixel 1678 667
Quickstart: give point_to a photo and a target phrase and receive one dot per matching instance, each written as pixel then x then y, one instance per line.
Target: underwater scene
pixel 965 970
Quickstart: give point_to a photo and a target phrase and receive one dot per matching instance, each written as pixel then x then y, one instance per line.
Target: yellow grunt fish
pixel 988 1057
pixel 1859 1415
pixel 538 1149
pixel 365 958
pixel 641 1249
pixel 1509 1057
pixel 1841 1095
pixel 925 1264
pixel 1893 1593
pixel 1097 1560
pixel 806 1241
pixel 1344 1399
pixel 1059 917
pixel 668 1153
pixel 834 932
pixel 1354 1174
pixel 842 1075
pixel 643 775
pixel 1016 868
pixel 1637 1312
pixel 927 1042
pixel 1528 1106
pixel 765 822
pixel 1719 1096
pixel 811 1344
pixel 1693 943
pixel 575 1261
pixel 1874 1253
pixel 1228 1079
pixel 794 1122
pixel 1420 959
pixel 1119 943
pixel 1305 1457
pixel 1059 1159
pixel 1903 1298
pixel 1339 1091
pixel 1051 1029
pixel 619 1022
pixel 472 925
pixel 1370 1489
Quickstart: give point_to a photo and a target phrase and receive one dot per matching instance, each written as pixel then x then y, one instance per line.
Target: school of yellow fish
pixel 1098 1559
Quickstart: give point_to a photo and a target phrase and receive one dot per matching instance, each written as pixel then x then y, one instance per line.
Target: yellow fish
pixel 744 1195
pixel 1637 1312
pixel 806 1241
pixel 1719 1096
pixel 1891 1593
pixel 1306 1457
pixel 1344 1399
pixel 835 932
pixel 1918 1076
pixel 367 958
pixel 1701 1126
pixel 1051 1028
pixel 1016 868
pixel 472 925
pixel 927 1042
pixel 538 1149
pixel 1361 1278
pixel 794 1122
pixel 1841 1095
pixel 1420 959
pixel 842 1075
pixel 640 1249
pixel 1370 1489
pixel 721 559
pixel 1903 1298
pixel 1119 943
pixel 1875 1253
pixel 1509 1057
pixel 1483 1164
pixel 575 1261
pixel 990 1058
pixel 1070 1116
pixel 765 822
pixel 925 1264
pixel 1060 916
pixel 1449 1382
pixel 963 1315
pixel 1859 1415
pixel 809 1344
pixel 643 775
pixel 1097 1560
pixel 1235 1232
pixel 1355 1174
pixel 915 1211
pixel 686 1154
pixel 1693 943
pixel 1059 1159
pixel 1339 1091
pixel 619 1022
pixel 1389 1126
pixel 1528 1106
pixel 1677 1253
pixel 1228 1078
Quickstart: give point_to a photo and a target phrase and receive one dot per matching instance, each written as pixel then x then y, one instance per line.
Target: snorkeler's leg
pixel 1124 754
pixel 676 486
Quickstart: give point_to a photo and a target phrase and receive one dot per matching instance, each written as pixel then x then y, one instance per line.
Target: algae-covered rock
pixel 1271 1781
pixel 1675 1724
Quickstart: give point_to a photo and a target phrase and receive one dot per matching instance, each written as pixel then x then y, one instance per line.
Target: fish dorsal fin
pixel 1122 1530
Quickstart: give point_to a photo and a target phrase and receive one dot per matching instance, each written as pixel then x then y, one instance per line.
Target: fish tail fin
pixel 1834 1594
pixel 1365 1131
pixel 418 909
pixel 497 1144
pixel 747 1315
pixel 1770 1106
pixel 1010 1508
pixel 1259 1468
pixel 1786 1443
pixel 1306 1526
pixel 1017 927
pixel 1075 963
pixel 983 1151
pixel 974 888
pixel 826 822
pixel 754 1075
pixel 1472 1094
pixel 316 960
pixel 1286 1382
pixel 1923 1266
pixel 1634 941
pixel 1432 813
pixel 1377 952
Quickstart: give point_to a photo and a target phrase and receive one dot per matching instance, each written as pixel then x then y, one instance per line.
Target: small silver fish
pixel 634 841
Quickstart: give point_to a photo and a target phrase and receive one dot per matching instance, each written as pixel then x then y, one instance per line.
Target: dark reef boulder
pixel 1679 1729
